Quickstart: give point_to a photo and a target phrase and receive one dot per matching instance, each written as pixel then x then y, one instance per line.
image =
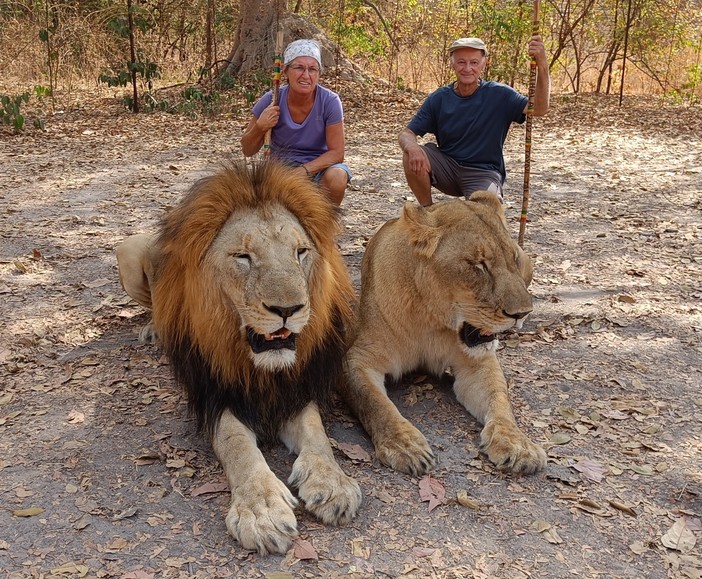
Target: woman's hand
pixel 269 118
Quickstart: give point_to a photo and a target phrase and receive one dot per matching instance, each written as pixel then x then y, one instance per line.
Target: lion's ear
pixel 421 230
pixel 491 201
pixel 487 198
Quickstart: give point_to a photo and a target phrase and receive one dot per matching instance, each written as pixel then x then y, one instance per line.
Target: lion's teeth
pixel 281 334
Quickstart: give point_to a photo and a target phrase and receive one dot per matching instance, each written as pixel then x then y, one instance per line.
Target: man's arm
pixel 417 158
pixel 542 90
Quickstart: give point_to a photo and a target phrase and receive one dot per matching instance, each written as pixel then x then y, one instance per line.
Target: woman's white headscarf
pixel 302 47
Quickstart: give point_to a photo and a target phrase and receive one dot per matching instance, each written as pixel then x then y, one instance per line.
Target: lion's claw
pixel 328 493
pixel 509 449
pixel 405 450
pixel 264 520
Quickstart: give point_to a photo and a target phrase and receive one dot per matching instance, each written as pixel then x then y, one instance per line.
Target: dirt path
pixel 97 451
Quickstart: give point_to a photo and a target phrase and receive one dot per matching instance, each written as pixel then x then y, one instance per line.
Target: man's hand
pixel 537 50
pixel 416 157
pixel 418 160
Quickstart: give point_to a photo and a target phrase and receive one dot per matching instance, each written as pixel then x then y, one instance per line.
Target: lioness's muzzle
pixel 472 337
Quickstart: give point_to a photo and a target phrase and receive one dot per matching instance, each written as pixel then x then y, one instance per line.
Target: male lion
pixel 436 285
pixel 250 300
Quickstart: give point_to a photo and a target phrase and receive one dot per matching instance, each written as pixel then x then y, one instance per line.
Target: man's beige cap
pixel 468 43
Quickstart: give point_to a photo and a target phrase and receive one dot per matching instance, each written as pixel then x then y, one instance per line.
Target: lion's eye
pixel 482 266
pixel 302 253
pixel 243 259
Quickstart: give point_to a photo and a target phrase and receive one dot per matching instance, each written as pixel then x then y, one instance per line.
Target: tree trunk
pixel 255 37
pixel 254 44
pixel 132 58
pixel 626 51
pixel 209 35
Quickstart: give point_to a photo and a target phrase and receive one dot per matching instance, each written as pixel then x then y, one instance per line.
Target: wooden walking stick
pixel 277 66
pixel 527 140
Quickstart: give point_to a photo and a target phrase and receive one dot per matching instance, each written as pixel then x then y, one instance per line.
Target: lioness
pixel 250 300
pixel 436 285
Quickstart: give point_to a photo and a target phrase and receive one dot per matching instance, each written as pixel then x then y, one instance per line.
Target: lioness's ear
pixel 422 232
pixel 491 201
pixel 526 268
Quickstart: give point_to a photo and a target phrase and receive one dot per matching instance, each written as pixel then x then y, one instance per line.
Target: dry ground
pixel 103 475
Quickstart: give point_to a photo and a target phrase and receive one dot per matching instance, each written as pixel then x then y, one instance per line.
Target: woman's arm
pixel 252 139
pixel 336 142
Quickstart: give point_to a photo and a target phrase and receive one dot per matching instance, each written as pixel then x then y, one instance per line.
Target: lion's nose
pixel 284 311
pixel 516 315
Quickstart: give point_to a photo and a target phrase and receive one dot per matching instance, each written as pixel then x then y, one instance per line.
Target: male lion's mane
pixel 201 331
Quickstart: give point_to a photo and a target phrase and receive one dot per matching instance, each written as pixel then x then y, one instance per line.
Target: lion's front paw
pixel 261 516
pixel 510 449
pixel 405 449
pixel 328 493
pixel 148 334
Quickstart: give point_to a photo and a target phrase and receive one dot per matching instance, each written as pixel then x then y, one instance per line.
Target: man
pixel 470 119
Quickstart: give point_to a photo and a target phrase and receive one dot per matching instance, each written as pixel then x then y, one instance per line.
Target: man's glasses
pixel 299 69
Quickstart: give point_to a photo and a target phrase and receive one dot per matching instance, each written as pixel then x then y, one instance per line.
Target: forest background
pixel 187 56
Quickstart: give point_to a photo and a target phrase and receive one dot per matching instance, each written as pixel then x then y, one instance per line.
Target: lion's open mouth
pixel 472 337
pixel 278 340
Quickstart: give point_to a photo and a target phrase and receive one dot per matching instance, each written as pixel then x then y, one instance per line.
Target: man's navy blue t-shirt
pixel 472 129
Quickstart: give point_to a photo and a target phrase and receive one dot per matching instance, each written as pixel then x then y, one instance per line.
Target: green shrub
pixel 11 113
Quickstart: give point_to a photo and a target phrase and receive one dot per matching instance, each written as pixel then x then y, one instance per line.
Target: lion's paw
pixel 406 450
pixel 509 448
pixel 328 493
pixel 148 334
pixel 261 516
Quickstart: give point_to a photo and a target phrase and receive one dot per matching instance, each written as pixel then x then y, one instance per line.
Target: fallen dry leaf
pixel 84 520
pixel 30 512
pixel 431 490
pixel 622 507
pixel 590 469
pixel 679 537
pixel 76 417
pixel 72 569
pixel 207 488
pixel 466 501
pixel 354 452
pixel 115 545
pixel 559 438
pixel 304 550
pixel 638 547
pixel 552 536
pixel 358 549
pixel 130 512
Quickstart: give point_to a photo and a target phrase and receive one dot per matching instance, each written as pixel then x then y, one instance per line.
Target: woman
pixel 307 123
